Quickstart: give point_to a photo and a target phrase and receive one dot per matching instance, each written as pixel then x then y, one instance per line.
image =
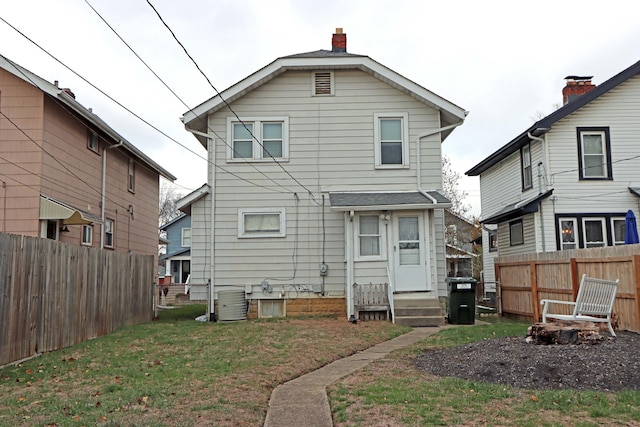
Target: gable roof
pixel 196 118
pixel 61 96
pixel 545 124
pixel 173 221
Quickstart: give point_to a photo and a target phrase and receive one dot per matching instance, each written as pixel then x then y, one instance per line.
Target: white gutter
pixel 104 189
pixel 424 135
pixel 348 220
pixel 212 184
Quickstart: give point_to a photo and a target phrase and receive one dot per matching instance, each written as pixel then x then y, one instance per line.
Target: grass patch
pixel 175 371
pixel 392 391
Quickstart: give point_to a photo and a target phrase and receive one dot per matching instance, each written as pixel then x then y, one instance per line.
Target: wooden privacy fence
pixel 527 279
pixel 54 295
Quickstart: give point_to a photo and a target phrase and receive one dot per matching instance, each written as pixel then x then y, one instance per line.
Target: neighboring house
pixel 67 175
pixel 324 172
pixel 568 180
pixel 460 234
pixel 177 259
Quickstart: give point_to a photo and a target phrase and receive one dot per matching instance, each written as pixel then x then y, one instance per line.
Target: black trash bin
pixel 462 300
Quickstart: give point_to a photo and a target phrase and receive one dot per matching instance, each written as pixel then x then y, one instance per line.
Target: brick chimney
pixel 339 41
pixel 576 86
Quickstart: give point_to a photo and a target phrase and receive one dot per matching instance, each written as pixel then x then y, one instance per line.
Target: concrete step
pixel 417 302
pixel 417 311
pixel 421 321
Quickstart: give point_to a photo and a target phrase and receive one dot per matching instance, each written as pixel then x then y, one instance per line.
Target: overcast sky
pixel 502 61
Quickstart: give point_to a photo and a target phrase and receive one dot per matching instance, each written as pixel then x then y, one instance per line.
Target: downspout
pixel 348 219
pixel 103 195
pixel 212 259
pixel 544 236
pixel 424 135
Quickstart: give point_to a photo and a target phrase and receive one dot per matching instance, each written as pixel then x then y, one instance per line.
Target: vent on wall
pixel 323 83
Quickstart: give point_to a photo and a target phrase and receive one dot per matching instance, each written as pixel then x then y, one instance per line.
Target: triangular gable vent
pixel 323 83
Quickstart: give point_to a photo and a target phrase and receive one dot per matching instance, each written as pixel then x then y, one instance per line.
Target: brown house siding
pixel 53 159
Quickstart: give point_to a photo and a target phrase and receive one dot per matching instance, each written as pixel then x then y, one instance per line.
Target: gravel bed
pixel 611 365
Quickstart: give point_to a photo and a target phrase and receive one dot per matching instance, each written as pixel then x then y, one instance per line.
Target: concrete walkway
pixel 304 402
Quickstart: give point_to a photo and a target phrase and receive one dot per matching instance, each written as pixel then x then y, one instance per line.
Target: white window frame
pixel 108 221
pixel 381 235
pixel 186 230
pixel 93 142
pixel 526 169
pixel 257 151
pixel 603 146
pixel 575 242
pixel 131 182
pixel 513 242
pixel 87 235
pixel 314 87
pixel 377 134
pixel 613 230
pixel 584 232
pixel 264 211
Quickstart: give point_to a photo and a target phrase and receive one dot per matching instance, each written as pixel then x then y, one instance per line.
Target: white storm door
pixel 409 252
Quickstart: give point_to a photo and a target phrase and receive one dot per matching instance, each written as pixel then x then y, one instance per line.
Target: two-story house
pixel 177 258
pixel 568 180
pixel 67 175
pixel 324 173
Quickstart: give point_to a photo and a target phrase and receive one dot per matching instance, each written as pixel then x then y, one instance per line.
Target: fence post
pixel 533 274
pixel 575 278
pixel 636 280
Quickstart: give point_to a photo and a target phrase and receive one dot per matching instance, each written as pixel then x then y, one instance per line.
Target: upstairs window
pixel 391 140
pixel 94 142
pixel 594 153
pixel 186 237
pixel 322 83
pixel 525 164
pixel 261 139
pixel 108 232
pixel 132 176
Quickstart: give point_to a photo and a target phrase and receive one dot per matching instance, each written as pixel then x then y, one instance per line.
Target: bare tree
pixel 168 200
pixel 450 180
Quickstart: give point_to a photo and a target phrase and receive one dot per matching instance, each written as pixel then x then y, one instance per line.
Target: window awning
pixel 399 200
pixel 51 208
pixel 518 209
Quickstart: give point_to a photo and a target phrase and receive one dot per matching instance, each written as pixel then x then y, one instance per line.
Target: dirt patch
pixel 611 365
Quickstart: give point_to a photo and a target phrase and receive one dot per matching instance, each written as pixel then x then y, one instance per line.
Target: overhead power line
pixel 131 112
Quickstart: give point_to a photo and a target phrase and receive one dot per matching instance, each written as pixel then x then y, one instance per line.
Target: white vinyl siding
pixel 331 149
